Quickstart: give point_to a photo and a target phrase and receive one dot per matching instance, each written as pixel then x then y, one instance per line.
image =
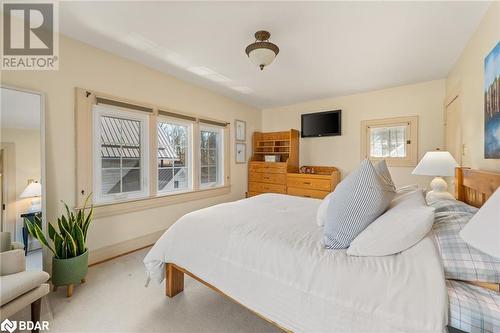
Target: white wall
pixel 422 99
pixel 87 67
pixel 467 77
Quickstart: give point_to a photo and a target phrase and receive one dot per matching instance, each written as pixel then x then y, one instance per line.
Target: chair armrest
pixel 17 246
pixel 12 262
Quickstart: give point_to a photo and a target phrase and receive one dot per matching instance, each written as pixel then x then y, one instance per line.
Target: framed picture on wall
pixel 492 103
pixel 240 130
pixel 241 153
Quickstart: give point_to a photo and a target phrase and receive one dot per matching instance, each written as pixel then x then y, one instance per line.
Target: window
pixel 133 156
pixel 211 152
pixel 394 140
pixel 388 141
pixel 174 156
pixel 120 155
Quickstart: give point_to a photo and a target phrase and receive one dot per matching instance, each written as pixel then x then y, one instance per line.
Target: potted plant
pixel 70 260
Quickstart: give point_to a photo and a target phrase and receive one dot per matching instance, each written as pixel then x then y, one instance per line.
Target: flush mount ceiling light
pixel 262 52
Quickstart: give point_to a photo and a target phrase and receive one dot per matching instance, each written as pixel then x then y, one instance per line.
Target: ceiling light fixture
pixel 262 52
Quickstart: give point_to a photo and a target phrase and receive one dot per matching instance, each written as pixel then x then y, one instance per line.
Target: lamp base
pixel 36 205
pixel 439 191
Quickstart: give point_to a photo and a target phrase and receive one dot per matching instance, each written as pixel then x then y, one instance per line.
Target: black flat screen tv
pixel 328 123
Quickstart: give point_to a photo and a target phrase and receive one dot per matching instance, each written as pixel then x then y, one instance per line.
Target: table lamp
pixel 439 164
pixel 34 191
pixel 483 230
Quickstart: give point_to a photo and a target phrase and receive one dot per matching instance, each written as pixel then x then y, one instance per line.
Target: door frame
pixel 45 252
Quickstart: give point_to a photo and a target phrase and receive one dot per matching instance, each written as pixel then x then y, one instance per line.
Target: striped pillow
pixel 385 175
pixel 356 202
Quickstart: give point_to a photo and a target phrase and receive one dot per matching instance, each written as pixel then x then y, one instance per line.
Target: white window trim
pixel 85 101
pixel 220 157
pixel 411 136
pixel 190 160
pixel 98 112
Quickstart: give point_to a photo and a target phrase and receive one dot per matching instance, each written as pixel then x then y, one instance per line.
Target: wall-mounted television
pixel 327 123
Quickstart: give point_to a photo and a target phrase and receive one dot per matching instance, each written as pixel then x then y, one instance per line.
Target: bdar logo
pixel 8 326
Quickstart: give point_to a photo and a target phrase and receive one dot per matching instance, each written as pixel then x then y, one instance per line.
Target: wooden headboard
pixel 474 187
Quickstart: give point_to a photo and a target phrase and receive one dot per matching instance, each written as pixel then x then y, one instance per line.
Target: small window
pixel 174 156
pixel 394 140
pixel 211 156
pixel 120 155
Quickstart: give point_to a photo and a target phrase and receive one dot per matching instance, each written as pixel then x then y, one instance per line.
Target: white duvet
pixel 267 253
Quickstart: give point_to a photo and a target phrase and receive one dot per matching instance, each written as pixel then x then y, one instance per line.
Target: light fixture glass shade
pixel 33 189
pixel 436 163
pixel 262 56
pixel 483 230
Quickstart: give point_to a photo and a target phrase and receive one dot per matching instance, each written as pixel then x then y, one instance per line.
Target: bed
pixel 266 253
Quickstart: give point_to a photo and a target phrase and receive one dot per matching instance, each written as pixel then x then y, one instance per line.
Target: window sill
pixel 135 205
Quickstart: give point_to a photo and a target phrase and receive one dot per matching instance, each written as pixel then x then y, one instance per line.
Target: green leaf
pixel 80 241
pixel 64 223
pixel 37 233
pixel 52 231
pixel 86 225
pixel 71 246
pixel 59 244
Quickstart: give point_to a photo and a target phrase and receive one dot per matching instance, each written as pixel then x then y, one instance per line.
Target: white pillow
pixel 322 210
pixel 409 194
pixel 396 230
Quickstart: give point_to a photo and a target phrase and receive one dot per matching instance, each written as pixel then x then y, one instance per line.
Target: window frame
pixel 99 111
pixel 220 156
pixel 85 100
pixel 411 140
pixel 190 160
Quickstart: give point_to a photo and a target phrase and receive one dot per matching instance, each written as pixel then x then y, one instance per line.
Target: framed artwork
pixel 240 130
pixel 492 104
pixel 241 153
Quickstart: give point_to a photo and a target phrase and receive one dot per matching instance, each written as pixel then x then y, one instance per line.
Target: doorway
pixel 22 168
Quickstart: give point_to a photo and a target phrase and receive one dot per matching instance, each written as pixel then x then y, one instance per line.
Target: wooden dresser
pixel 271 177
pixel 313 185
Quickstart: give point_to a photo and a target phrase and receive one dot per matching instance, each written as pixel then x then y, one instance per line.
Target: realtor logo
pixel 8 326
pixel 30 39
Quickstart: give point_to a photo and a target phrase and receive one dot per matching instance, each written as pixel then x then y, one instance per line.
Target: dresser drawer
pixel 267 167
pixel 271 178
pixel 308 193
pixel 309 182
pixel 263 187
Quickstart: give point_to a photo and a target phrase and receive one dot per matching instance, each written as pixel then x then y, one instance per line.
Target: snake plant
pixel 69 240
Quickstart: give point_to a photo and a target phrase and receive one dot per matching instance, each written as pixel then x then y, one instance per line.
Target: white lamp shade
pixel 483 230
pixel 32 190
pixel 262 56
pixel 436 163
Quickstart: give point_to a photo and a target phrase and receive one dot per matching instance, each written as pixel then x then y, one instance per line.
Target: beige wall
pixel 467 77
pixel 84 66
pixel 423 99
pixel 27 158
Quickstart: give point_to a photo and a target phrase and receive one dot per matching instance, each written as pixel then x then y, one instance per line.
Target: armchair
pixel 20 288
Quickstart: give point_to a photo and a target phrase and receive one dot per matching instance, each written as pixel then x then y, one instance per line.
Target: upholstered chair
pixel 20 288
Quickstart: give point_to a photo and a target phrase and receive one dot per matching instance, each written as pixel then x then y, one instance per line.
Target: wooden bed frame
pixel 473 187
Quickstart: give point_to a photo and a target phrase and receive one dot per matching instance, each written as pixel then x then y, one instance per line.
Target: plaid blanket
pixel 461 261
pixel 472 308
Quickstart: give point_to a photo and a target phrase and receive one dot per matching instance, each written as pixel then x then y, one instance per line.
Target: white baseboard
pixel 118 249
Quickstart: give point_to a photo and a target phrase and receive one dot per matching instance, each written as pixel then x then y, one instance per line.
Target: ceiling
pixel 327 49
pixel 19 109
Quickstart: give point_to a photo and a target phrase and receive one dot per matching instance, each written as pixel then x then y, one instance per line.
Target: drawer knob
pixel 307 183
pixel 307 196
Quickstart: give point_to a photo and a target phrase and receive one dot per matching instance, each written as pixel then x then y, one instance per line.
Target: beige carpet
pixel 114 300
